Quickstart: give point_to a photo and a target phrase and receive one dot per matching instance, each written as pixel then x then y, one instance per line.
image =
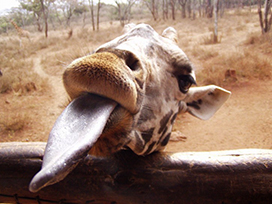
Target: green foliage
pixel 31 6
pixel 80 9
pixel 3 24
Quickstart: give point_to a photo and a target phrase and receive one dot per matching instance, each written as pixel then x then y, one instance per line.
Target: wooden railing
pixel 237 176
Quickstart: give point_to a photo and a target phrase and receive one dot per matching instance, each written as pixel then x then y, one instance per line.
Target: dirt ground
pixel 245 121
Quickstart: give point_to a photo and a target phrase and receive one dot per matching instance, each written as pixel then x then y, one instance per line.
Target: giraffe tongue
pixel 73 135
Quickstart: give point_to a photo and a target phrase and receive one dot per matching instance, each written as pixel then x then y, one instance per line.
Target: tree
pixel 80 9
pixel 91 5
pixel 98 14
pixel 209 9
pixel 183 8
pixel 165 4
pixel 194 9
pixel 215 34
pixel 173 8
pixel 265 21
pixel 68 8
pixel 124 10
pixel 39 8
pixel 34 6
pixel 55 12
pixel 221 6
pixel 189 8
pixel 200 12
pixel 45 16
pixel 98 5
pixel 152 5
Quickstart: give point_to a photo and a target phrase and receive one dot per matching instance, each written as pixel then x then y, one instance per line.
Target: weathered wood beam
pixel 238 176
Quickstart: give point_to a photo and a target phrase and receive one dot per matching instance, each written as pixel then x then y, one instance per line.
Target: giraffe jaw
pixel 73 135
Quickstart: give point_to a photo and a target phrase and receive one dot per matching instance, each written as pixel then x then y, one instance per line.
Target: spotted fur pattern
pixel 22 33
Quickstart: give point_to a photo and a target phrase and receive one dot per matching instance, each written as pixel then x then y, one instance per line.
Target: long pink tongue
pixel 73 135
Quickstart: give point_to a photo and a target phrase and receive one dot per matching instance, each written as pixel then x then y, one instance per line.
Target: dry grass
pixel 83 42
pixel 209 39
pixel 13 123
pixel 263 42
pixel 242 48
pixel 247 64
pixel 203 54
pixel 54 63
pixel 18 74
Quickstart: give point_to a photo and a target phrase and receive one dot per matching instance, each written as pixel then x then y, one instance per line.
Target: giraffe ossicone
pixel 125 96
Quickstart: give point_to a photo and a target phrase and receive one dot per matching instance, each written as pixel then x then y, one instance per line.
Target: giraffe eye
pixel 185 82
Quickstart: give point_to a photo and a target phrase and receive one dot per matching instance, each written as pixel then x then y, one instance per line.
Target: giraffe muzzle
pixel 104 74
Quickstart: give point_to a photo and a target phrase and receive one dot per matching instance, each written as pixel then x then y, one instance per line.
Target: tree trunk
pixel 200 8
pixel 92 13
pixel 194 9
pixel 121 19
pixel 265 21
pixel 260 15
pixel 39 27
pixel 267 5
pixel 222 8
pixel 84 20
pixel 215 35
pixel 45 19
pixel 151 5
pixel 183 8
pixel 209 9
pixel 237 176
pixel 173 4
pixel 183 15
pixel 154 12
pixel 98 15
pixel 165 9
pixel 189 8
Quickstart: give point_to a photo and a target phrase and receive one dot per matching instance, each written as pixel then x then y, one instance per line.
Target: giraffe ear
pixel 203 102
pixel 171 34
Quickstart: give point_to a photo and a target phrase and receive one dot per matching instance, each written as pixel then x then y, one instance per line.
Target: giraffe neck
pixel 18 29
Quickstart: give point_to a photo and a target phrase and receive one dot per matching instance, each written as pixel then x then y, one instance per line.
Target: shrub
pixel 13 122
pixel 247 64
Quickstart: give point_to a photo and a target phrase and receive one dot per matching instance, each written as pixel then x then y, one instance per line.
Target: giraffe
pixel 22 33
pixel 125 96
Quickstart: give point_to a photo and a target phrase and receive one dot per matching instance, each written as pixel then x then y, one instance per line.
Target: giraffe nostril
pixel 133 65
pixel 132 61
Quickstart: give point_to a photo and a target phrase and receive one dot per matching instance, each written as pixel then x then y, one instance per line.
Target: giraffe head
pixel 125 96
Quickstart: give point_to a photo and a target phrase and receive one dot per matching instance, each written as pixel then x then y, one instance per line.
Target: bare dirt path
pixel 53 102
pixel 55 81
